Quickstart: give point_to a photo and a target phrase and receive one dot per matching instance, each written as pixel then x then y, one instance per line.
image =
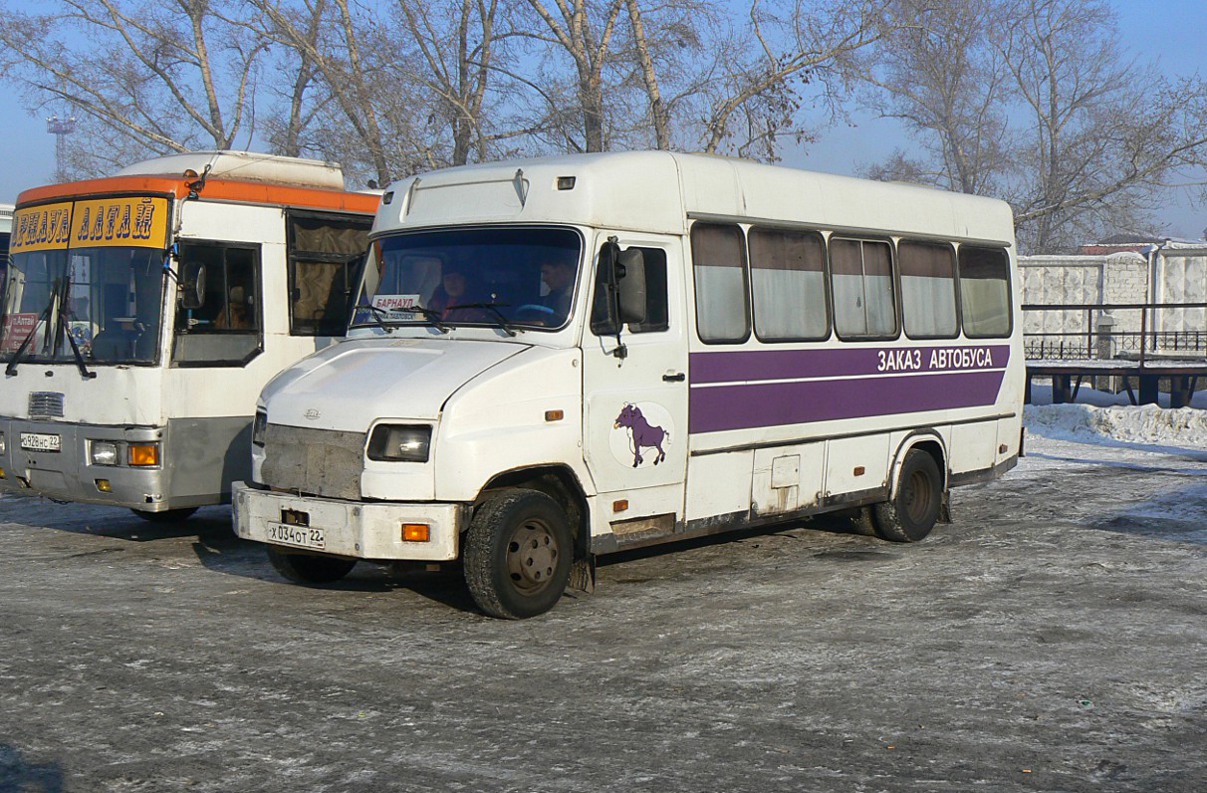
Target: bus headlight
pixel 3 446
pixel 103 453
pixel 259 427
pixel 400 443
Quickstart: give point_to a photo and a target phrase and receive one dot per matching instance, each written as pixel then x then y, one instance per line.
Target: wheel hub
pixel 531 557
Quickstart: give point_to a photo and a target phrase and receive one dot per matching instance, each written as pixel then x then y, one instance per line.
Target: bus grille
pixel 324 463
pixel 46 405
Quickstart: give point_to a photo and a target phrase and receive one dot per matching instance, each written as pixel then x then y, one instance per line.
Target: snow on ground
pixel 1168 447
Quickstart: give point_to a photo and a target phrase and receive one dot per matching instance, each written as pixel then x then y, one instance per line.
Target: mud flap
pixel 582 576
pixel 945 509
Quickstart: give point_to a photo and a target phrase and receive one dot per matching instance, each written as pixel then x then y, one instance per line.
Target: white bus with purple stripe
pixel 555 359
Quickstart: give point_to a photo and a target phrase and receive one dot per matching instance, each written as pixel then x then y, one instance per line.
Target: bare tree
pixel 458 75
pixel 327 37
pixel 1103 131
pixel 1038 102
pixel 753 86
pixel 304 98
pixel 155 77
pixel 936 75
pixel 585 32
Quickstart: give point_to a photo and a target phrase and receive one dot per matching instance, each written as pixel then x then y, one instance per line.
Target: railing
pixel 1116 331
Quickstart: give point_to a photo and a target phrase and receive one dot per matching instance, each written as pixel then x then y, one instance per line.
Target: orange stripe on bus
pixel 214 190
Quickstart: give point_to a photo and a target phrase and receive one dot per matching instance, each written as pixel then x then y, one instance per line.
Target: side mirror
pixel 192 285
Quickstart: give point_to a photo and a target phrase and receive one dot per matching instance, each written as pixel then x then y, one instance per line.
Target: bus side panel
pixel 206 455
pixel 719 484
pixel 973 446
pixel 857 465
pixel 788 478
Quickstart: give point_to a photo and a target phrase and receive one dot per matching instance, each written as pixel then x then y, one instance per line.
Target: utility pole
pixel 60 128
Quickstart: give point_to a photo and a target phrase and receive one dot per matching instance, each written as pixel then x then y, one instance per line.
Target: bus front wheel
pixel 304 568
pixel 910 514
pixel 517 554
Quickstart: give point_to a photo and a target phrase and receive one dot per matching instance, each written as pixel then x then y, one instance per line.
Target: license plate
pixel 41 442
pixel 301 536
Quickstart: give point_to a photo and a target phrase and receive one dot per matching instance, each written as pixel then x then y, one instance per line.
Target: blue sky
pixel 1169 31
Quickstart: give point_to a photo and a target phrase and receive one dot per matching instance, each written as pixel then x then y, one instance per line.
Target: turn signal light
pixel 416 532
pixel 143 454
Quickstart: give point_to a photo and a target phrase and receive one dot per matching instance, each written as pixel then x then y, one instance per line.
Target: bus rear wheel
pixel 910 514
pixel 517 554
pixel 304 568
pixel 167 516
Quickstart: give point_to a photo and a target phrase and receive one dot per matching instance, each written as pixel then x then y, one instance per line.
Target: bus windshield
pixel 108 300
pixel 514 278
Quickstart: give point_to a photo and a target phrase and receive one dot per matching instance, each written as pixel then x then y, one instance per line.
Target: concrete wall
pixel 1177 273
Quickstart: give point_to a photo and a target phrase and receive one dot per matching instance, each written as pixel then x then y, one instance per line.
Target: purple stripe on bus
pixel 744 365
pixel 774 404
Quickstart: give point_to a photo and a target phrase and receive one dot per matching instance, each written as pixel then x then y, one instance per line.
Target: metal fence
pixel 1119 331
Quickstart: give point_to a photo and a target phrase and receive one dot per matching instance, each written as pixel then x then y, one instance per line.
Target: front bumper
pixel 67 475
pixel 358 529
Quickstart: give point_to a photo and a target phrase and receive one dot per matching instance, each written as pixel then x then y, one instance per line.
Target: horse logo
pixel 642 434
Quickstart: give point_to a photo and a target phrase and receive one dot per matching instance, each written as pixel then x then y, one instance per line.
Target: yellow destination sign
pixel 42 228
pixel 140 222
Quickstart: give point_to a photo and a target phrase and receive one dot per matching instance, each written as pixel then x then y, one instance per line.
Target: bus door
pixel 635 395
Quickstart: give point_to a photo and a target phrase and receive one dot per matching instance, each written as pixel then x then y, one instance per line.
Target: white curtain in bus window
pixel 984 291
pixel 928 289
pixel 863 288
pixel 720 275
pixel 787 274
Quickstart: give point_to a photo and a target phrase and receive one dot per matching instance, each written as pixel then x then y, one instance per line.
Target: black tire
pixel 911 514
pixel 517 554
pixel 304 568
pixel 167 516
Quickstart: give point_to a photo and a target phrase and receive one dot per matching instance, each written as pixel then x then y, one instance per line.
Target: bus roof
pixel 238 177
pixel 659 191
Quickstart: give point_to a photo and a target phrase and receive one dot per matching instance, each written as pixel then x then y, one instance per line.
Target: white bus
pixel 6 227
pixel 561 358
pixel 145 311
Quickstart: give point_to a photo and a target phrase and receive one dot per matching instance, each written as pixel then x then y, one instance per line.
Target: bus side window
pixel 324 268
pixel 985 292
pixel 719 267
pixel 862 282
pixel 788 279
pixel 928 289
pixel 226 328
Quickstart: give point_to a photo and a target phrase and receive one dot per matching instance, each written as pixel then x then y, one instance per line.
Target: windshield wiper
pixel 65 315
pixel 75 348
pixel 381 316
pixel 493 308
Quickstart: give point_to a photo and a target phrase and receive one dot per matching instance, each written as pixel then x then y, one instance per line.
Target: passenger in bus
pixel 557 273
pixel 236 315
pixel 455 290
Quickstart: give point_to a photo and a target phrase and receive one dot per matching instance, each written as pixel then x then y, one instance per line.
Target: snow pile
pixel 1147 424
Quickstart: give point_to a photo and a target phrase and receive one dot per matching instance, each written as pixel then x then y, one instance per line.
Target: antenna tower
pixel 60 128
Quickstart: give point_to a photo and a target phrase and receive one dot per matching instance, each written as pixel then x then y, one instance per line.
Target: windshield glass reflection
pixel 513 278
pixel 109 300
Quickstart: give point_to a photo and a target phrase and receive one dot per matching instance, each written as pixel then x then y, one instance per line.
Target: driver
pixel 557 272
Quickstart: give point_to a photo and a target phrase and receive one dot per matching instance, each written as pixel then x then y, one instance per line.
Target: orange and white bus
pixel 143 312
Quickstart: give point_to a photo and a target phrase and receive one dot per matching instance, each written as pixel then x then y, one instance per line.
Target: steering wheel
pixel 537 307
pixel 536 314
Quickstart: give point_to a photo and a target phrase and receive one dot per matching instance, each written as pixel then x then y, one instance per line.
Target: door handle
pixel 674 377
